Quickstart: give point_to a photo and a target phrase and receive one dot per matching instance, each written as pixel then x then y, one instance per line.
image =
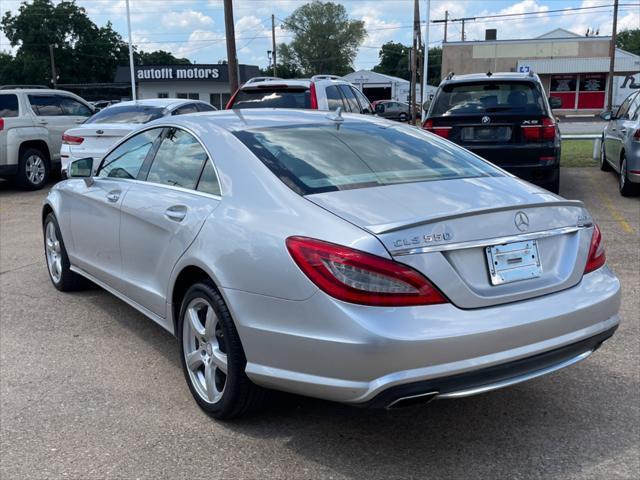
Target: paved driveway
pixel 90 389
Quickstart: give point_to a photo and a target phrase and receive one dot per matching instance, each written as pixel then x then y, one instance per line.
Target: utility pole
pixel 134 96
pixel 612 54
pixel 414 61
pixel 425 69
pixel 54 76
pixel 446 20
pixel 273 41
pixel 232 59
pixel 462 31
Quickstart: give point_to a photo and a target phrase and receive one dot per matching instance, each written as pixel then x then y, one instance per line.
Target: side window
pixel 634 109
pixel 205 107
pixel 350 98
pixel 178 161
pixel 622 112
pixel 8 105
pixel 188 108
pixel 46 105
pixel 365 104
pixel 208 180
pixel 334 99
pixel 126 160
pixel 71 106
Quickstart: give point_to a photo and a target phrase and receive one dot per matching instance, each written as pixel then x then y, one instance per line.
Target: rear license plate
pixel 486 134
pixel 513 262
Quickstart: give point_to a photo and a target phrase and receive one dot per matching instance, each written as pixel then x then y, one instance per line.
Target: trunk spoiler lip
pixel 402 225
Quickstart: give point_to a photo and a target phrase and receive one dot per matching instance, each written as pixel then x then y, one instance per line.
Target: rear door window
pixel 350 98
pixel 273 98
pixel 365 104
pixel 8 105
pixel 127 114
pixel 46 105
pixel 184 109
pixel 205 107
pixel 488 97
pixel 334 99
pixel 73 107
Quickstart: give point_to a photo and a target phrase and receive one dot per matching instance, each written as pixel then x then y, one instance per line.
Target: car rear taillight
pixel 231 100
pixel 596 257
pixel 636 134
pixel 358 277
pixel 441 131
pixel 1 124
pixel 71 140
pixel 313 96
pixel 544 132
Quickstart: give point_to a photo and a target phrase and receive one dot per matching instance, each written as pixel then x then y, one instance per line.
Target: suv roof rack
pixel 261 79
pixel 16 87
pixel 326 77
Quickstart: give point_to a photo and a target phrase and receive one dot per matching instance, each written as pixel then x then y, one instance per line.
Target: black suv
pixel 503 117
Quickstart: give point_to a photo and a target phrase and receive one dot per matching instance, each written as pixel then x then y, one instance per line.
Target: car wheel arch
pixel 38 145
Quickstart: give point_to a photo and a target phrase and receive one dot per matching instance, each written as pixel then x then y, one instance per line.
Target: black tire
pixel 239 396
pixel 33 169
pixel 66 281
pixel 605 166
pixel 403 117
pixel 627 189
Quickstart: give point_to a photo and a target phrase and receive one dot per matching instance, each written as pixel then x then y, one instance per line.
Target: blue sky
pixel 195 28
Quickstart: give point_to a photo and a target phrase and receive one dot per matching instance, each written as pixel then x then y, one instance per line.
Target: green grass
pixel 577 153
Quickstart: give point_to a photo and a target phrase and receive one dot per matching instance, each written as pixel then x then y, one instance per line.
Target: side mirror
pixel 606 115
pixel 425 105
pixel 82 168
pixel 555 102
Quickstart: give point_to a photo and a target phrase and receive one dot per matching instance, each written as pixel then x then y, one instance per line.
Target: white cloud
pixel 186 19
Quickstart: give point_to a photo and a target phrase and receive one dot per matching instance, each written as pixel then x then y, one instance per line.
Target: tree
pixel 325 40
pixel 159 57
pixel 629 40
pixel 394 60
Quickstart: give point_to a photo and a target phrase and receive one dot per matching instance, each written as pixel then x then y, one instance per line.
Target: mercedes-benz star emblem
pixel 522 221
pixel 486 119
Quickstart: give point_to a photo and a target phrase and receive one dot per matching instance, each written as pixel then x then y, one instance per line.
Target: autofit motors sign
pixel 216 73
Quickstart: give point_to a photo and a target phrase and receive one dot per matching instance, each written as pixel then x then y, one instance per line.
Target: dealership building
pixel 207 82
pixel 571 67
pixel 378 86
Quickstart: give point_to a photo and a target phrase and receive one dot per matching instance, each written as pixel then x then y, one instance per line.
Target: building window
pixel 219 100
pixel 163 95
pixel 190 96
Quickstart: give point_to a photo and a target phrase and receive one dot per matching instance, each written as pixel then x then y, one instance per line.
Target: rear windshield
pixel 488 97
pixel 8 105
pixel 273 98
pixel 327 157
pixel 127 114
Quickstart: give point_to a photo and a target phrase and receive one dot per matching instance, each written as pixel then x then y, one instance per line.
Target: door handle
pixel 623 131
pixel 43 121
pixel 113 195
pixel 176 213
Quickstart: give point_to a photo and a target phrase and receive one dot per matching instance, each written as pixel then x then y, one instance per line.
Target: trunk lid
pixel 443 229
pixel 98 137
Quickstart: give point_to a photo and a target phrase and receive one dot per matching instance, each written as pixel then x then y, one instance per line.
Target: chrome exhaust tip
pixel 412 400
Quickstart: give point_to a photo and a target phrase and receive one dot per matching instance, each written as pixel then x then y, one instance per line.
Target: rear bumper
pixel 349 353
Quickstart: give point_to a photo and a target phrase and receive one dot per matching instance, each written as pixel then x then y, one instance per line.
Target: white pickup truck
pixel 32 121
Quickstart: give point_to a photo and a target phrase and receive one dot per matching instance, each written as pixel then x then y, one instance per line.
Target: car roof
pixel 265 82
pixel 157 102
pixel 47 91
pixel 254 118
pixel 485 77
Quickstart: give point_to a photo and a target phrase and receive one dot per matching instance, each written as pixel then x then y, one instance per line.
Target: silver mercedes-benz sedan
pixel 342 257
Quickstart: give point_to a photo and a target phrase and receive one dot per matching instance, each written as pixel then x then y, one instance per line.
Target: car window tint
pixel 8 105
pixel 184 109
pixel 73 107
pixel 334 99
pixel 634 108
pixel 127 159
pixel 273 98
pixel 127 114
pixel 350 98
pixel 46 105
pixel 321 158
pixel 209 180
pixel 178 161
pixel 205 107
pixel 624 108
pixel 365 105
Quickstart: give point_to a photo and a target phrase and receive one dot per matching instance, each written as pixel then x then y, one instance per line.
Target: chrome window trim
pixel 164 185
pixel 162 126
pixel 488 242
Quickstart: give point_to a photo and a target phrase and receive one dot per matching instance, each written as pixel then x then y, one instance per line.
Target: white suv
pixel 32 121
pixel 321 92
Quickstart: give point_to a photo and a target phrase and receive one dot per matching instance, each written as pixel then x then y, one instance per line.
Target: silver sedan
pixel 342 257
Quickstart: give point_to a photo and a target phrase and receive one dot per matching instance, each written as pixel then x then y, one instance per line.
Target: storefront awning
pixel 623 64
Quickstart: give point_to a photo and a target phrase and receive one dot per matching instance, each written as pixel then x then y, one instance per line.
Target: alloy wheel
pixel 35 169
pixel 623 172
pixel 54 253
pixel 205 350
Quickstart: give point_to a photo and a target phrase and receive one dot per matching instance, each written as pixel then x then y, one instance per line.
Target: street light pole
pixel 54 75
pixel 612 55
pixel 425 71
pixel 134 96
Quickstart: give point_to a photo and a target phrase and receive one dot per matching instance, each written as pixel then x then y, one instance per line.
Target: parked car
pixel 94 137
pixel 321 92
pixel 503 117
pixel 32 121
pixel 393 110
pixel 349 258
pixel 620 145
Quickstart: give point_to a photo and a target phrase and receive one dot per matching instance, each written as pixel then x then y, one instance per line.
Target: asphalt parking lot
pixel 91 389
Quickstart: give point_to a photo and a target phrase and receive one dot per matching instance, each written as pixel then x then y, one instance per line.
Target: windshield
pixel 127 114
pixel 488 97
pixel 327 157
pixel 273 98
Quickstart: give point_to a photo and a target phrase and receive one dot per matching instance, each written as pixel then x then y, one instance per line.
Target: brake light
pixel 314 98
pixel 358 277
pixel 71 140
pixel 596 257
pixel 546 131
pixel 636 134
pixel 231 100
pixel 441 131
pixel 1 124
